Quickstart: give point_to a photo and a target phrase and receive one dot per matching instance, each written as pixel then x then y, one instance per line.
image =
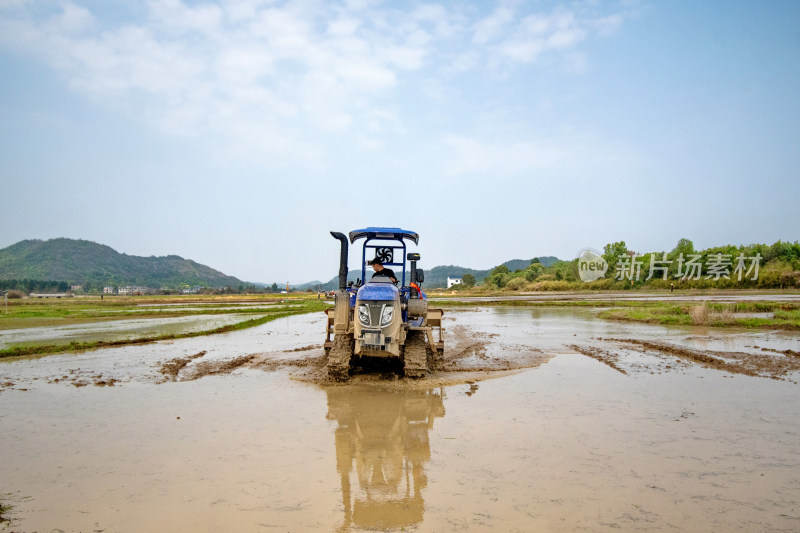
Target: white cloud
pixel 608 25
pixel 538 33
pixel 343 26
pixel 489 28
pixel 286 70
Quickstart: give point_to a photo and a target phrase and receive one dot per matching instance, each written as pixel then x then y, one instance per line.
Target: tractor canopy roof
pixel 396 234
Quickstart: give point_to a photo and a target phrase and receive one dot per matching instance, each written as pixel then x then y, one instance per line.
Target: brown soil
pixel 474 355
pixel 465 360
pixel 212 368
pixel 791 353
pixel 749 364
pixel 173 367
pixel 303 348
pixel 603 356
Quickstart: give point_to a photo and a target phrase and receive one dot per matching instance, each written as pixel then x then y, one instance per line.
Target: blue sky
pixel 239 132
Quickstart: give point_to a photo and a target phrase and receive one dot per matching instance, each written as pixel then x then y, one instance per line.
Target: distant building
pixel 49 295
pixel 191 290
pixel 133 289
pixel 74 287
pixel 453 281
pixel 108 290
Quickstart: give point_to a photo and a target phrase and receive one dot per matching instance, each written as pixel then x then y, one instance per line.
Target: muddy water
pixel 680 296
pixel 564 442
pixel 115 330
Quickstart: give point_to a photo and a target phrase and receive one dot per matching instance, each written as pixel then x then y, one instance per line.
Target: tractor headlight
pixel 387 314
pixel 363 315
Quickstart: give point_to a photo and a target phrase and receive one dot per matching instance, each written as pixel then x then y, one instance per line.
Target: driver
pixel 381 270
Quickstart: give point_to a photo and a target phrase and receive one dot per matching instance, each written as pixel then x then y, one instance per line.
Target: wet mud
pixel 775 364
pixel 591 426
pixel 173 367
pixel 467 358
pixel 473 354
pixel 604 356
pixel 790 353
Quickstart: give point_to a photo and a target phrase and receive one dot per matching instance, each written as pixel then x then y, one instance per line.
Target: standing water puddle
pixel 115 330
pixel 569 444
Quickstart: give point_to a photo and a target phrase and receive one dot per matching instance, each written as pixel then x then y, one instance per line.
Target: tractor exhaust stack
pixel 342 259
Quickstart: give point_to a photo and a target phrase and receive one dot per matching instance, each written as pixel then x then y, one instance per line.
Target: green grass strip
pixel 677 316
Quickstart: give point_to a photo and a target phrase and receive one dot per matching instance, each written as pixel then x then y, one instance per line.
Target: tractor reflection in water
pixel 383 435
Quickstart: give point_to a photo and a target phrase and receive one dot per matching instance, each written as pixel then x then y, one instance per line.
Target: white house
pixel 133 289
pixel 108 290
pixel 453 281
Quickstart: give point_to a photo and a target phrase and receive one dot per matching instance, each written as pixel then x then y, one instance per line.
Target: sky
pixel 238 133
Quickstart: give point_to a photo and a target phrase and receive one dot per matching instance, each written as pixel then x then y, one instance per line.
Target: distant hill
pixel 437 276
pixel 81 262
pixel 522 264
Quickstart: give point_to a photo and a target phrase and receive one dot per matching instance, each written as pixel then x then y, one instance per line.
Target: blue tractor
pixel 382 318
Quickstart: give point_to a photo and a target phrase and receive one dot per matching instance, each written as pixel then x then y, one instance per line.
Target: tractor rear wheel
pixel 339 357
pixel 415 357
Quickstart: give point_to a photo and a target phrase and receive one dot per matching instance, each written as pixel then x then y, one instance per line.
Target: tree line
pixel 33 285
pixel 775 266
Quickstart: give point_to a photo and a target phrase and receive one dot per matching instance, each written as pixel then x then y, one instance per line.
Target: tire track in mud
pixel 791 353
pixel 734 362
pixel 605 357
pixel 466 359
pixel 765 365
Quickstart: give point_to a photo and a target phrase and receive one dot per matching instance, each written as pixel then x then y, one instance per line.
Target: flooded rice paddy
pixel 114 330
pixel 537 419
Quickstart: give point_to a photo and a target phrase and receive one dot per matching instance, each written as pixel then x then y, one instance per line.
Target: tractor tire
pixel 415 357
pixel 339 357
